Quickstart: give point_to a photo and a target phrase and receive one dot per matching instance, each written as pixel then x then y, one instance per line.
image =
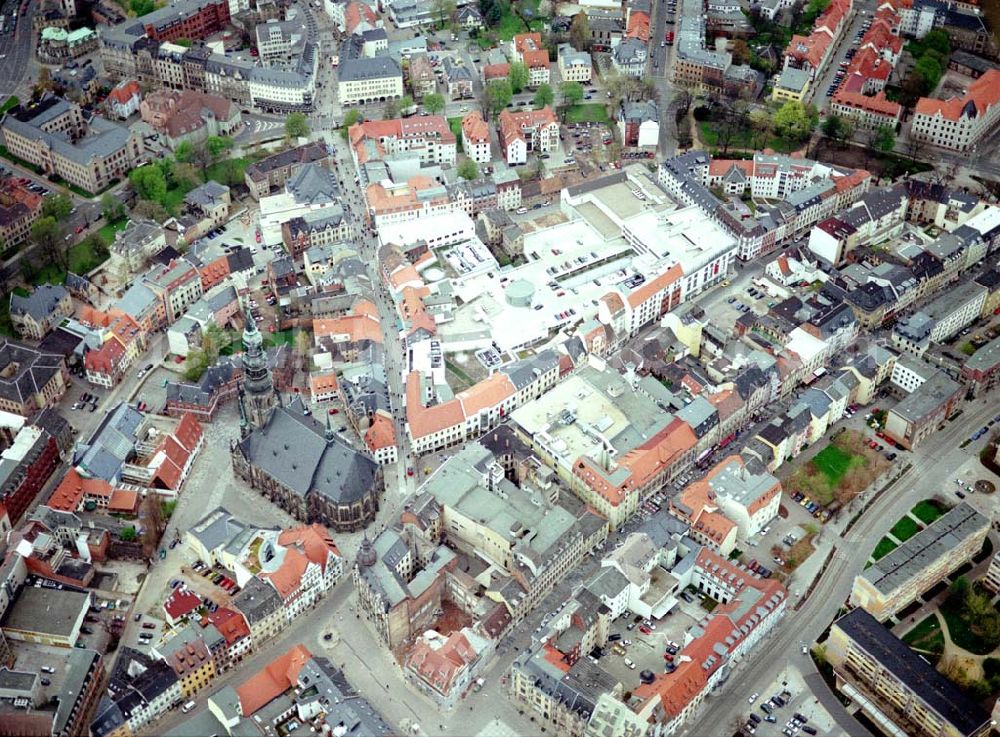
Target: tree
pixel 228 172
pixel 185 176
pixel 468 169
pixel 127 534
pixel 391 109
pixel 518 76
pixel 352 117
pixel 218 145
pixel 111 207
pixel 937 40
pixel 741 51
pixel 443 11
pixel 434 103
pixel 496 96
pixel 406 103
pixel 48 236
pixel 184 152
pixel 150 210
pixel 761 127
pixel 543 96
pixel 579 32
pixel 142 7
pixel 149 183
pixel 884 139
pixel 492 12
pixel 58 206
pixel 572 93
pixel 837 129
pixel 296 125
pixel 682 99
pixel 793 121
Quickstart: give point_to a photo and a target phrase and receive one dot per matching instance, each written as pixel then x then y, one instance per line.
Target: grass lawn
pixel 510 24
pixel 926 511
pixel 108 230
pixel 905 529
pixel 884 547
pixel 51 274
pixel 456 127
pixel 590 113
pixel 742 139
pixel 83 258
pixel 960 631
pixel 217 171
pixel 834 462
pixel 926 636
pixel 281 337
pixel 11 102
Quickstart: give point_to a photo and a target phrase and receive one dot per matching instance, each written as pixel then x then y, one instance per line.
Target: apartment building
pixel 810 53
pixel 528 131
pixel 35 315
pixel 959 123
pixel 54 136
pixel 437 425
pixel 192 19
pixel 272 172
pixel 924 411
pixel 574 66
pixel 528 49
pixel 476 138
pixel 29 379
pixel 981 370
pixel 896 687
pixel 19 208
pixel 892 582
pixel 428 137
pixel 867 112
pixel 369 80
pixel 176 285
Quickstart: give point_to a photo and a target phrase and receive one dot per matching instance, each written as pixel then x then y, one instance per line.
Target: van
pixel 188 707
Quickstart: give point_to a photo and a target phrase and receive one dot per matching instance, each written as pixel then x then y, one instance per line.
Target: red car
pixel 645 630
pixel 79 228
pixel 258 237
pixel 409 471
pixel 334 411
pixel 668 657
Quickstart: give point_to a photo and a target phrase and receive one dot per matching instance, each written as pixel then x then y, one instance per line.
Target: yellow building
pixel 894 686
pixel 192 662
pixel 793 84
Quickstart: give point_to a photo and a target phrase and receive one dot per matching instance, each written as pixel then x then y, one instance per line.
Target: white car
pixel 753 697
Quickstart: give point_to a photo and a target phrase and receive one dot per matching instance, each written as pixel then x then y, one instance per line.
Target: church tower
pixel 258 398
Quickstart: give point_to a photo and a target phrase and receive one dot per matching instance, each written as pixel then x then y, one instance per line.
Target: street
pixel 16 51
pixel 933 464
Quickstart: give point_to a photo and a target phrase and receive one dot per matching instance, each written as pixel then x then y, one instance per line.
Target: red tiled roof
pixel 313 540
pixel 982 95
pixel 181 602
pixel 381 434
pixel 877 104
pixel 278 676
pixel 230 623
pixel 125 91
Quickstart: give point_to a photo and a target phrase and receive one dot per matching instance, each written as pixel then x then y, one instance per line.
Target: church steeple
pixel 260 397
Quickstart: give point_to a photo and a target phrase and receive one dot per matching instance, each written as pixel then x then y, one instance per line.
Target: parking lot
pixel 787 707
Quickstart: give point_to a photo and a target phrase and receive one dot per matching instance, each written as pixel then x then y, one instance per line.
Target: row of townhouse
pixel 281 574
pixel 811 193
pixel 433 425
pixel 130 52
pixel 861 97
